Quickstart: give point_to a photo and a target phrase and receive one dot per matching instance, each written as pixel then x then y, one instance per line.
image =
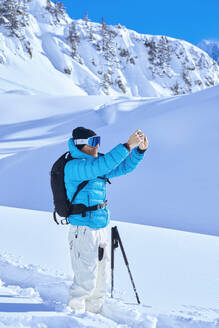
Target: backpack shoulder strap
pixel 106 179
pixel 80 186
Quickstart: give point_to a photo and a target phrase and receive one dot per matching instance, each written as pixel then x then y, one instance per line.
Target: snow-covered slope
pixel 176 275
pixel 211 47
pixel 176 186
pixel 43 51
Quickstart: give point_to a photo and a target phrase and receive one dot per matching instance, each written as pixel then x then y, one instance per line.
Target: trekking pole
pixel 115 241
pixel 114 245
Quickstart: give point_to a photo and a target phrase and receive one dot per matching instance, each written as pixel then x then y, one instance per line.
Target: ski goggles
pixel 92 141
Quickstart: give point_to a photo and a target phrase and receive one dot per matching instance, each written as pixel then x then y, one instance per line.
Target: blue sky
pixel 191 20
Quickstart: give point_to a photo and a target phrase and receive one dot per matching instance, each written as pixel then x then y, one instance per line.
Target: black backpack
pixel 63 206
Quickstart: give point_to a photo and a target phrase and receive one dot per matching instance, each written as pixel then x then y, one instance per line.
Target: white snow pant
pixel 91 275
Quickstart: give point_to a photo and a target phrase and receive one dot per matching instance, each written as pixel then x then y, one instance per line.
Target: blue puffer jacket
pixel 86 167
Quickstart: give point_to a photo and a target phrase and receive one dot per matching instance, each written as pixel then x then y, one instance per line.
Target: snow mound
pixel 175 274
pixel 42 299
pixel 43 304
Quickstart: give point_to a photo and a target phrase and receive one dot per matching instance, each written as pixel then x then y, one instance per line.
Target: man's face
pixel 93 151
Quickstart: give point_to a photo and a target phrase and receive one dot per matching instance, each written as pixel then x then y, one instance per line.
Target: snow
pixel 175 274
pixel 177 182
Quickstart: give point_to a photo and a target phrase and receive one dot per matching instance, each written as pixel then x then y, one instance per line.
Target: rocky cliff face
pixel 42 50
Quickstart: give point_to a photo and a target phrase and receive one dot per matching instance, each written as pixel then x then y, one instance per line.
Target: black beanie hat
pixel 82 133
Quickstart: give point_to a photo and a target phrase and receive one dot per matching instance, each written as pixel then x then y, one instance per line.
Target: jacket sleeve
pixel 128 164
pixel 90 168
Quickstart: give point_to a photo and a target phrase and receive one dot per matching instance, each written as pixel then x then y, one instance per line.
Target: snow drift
pixel 175 274
pixel 176 186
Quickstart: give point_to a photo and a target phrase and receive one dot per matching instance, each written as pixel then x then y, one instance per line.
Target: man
pixel 87 234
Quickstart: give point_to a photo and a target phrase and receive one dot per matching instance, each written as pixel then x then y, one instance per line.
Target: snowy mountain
pixel 39 42
pixel 211 47
pixel 175 272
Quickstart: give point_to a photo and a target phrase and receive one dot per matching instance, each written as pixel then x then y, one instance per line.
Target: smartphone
pixel 140 133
